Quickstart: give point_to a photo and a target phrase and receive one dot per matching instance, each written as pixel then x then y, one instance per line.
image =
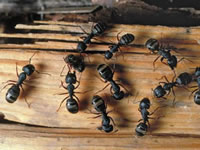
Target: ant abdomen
pixel 99 28
pixel 107 128
pixel 72 106
pixel 12 94
pixel 118 95
pixel 152 44
pixel 126 39
pixel 141 129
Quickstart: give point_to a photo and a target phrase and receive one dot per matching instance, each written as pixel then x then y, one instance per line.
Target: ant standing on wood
pixel 106 73
pixel 71 104
pixel 99 105
pixel 181 81
pixel 124 40
pixel 14 91
pixel 142 127
pixel 98 29
pixel 155 47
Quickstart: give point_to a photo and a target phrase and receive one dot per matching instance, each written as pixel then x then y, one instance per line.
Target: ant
pixel 197 91
pixel 124 40
pixel 98 29
pixel 71 104
pixel 156 48
pixel 182 80
pixel 14 91
pixel 76 62
pixel 106 73
pixel 142 127
pixel 100 107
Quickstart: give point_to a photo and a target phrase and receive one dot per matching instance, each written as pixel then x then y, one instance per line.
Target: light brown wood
pixel 134 68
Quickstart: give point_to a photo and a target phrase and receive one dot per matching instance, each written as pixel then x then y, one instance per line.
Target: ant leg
pixel 32 57
pixel 96 116
pixel 154 62
pixel 112 120
pixel 140 120
pixel 6 86
pixel 17 71
pixel 62 71
pixel 162 61
pixel 173 102
pixel 125 88
pixel 168 92
pixel 111 90
pixel 193 92
pixel 121 53
pixel 156 110
pixel 42 73
pixel 76 98
pixel 83 30
pixel 78 81
pixel 81 54
pixel 9 81
pixel 185 59
pixel 164 78
pixel 103 88
pixel 25 97
pixel 62 85
pixel 61 103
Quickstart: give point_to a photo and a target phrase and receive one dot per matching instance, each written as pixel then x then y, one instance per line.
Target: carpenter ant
pixel 76 62
pixel 182 80
pixel 106 73
pixel 100 107
pixel 98 29
pixel 71 104
pixel 14 91
pixel 142 127
pixel 124 40
pixel 155 47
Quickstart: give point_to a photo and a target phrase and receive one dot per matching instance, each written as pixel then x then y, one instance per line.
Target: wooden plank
pixel 134 68
pixel 32 138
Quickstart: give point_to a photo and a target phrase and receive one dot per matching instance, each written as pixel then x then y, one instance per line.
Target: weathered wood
pixel 21 137
pixel 133 67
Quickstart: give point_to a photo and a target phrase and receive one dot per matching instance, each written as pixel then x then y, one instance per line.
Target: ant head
pixel 99 28
pixel 126 39
pixel 28 69
pixel 108 55
pixel 72 106
pixel 197 71
pixel 118 95
pixel 145 103
pixel 152 44
pixel 197 97
pixel 108 128
pixel 105 71
pixel 71 78
pixel 69 59
pixel 141 129
pixel 12 94
pixel 81 47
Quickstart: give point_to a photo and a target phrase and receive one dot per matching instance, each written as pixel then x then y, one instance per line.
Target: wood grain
pixel 133 68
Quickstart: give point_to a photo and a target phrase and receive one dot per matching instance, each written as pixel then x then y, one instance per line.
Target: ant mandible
pixel 155 47
pixel 106 73
pixel 14 91
pixel 124 40
pixel 98 29
pixel 99 105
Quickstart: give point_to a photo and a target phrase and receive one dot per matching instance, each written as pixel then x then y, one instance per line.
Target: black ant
pixel 106 73
pixel 98 29
pixel 155 47
pixel 14 91
pixel 100 107
pixel 76 62
pixel 71 104
pixel 124 40
pixel 197 91
pixel 182 80
pixel 142 127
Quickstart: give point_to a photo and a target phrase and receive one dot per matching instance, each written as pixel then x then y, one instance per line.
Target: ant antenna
pixel 32 57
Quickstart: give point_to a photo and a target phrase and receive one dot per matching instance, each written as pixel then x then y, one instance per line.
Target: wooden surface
pixel 177 128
